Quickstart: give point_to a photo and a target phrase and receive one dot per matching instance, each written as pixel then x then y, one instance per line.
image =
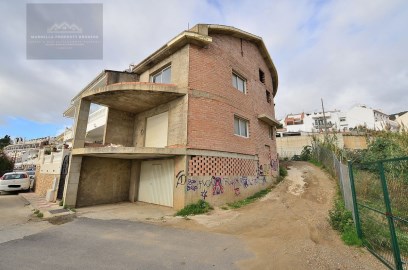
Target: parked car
pixel 31 175
pixel 15 181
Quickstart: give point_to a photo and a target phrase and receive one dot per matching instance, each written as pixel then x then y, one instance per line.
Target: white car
pixel 15 181
pixel 31 175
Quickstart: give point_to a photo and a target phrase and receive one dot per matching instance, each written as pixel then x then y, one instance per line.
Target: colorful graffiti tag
pixel 217 187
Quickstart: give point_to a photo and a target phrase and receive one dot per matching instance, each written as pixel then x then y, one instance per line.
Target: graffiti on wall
pixel 192 185
pixel 217 186
pixel 274 164
pixel 181 178
pixel 204 194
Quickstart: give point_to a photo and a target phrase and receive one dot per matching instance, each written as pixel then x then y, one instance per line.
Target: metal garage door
pixel 156 182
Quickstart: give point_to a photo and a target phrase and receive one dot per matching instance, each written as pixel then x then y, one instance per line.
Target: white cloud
pixel 346 52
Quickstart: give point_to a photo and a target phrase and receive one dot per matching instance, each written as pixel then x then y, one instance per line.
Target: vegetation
pixel 201 207
pixel 250 199
pixel 6 140
pixel 342 220
pixel 6 164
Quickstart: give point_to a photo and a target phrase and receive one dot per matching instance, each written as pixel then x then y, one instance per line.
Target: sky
pixel 346 52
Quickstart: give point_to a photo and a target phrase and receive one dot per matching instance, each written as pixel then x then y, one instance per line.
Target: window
pixel 261 76
pixel 238 82
pixel 240 127
pixel 163 76
pixel 271 132
pixel 342 119
pixel 268 96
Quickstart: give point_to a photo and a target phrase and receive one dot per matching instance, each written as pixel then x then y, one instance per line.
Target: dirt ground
pixel 289 228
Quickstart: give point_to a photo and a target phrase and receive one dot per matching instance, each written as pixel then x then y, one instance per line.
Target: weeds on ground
pixel 341 220
pixel 250 199
pixel 38 213
pixel 201 207
pixel 69 208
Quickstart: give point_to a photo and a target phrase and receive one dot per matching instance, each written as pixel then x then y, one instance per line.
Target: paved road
pixel 12 210
pixel 16 220
pixel 116 244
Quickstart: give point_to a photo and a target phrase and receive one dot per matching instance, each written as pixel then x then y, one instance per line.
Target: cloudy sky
pixel 347 52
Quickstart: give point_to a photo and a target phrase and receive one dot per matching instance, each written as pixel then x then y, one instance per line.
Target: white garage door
pixel 156 130
pixel 156 182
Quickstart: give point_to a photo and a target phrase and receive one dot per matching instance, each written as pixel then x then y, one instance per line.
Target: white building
pixel 357 116
pixel 95 128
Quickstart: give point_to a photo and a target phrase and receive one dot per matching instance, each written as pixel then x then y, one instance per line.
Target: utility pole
pixel 325 122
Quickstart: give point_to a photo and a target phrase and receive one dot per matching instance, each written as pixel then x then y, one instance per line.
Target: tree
pixel 6 164
pixel 6 140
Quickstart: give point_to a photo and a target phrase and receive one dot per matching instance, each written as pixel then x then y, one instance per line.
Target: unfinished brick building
pixel 195 120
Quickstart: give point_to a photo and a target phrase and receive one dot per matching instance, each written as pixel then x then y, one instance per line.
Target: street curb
pixel 26 202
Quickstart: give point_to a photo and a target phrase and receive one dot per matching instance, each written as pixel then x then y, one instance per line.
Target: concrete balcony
pixel 128 152
pixel 133 97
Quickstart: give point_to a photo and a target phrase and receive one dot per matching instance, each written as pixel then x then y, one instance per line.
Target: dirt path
pixel 288 229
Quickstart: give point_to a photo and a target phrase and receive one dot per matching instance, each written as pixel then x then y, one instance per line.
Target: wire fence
pixel 377 195
pixel 381 195
pixel 338 170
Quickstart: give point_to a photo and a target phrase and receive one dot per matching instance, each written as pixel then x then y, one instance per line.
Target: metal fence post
pixel 354 197
pixel 394 242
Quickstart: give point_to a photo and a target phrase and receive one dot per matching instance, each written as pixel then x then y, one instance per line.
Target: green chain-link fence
pixel 380 194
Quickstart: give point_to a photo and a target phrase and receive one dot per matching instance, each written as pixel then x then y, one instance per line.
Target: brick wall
pixel 213 101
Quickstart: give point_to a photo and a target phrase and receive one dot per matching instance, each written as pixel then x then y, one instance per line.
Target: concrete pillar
pixel 72 181
pixel 81 122
pixel 134 180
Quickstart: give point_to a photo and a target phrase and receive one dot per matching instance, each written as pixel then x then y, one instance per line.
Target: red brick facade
pixel 213 101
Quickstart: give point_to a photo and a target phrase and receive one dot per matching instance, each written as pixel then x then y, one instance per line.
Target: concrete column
pixel 134 180
pixel 81 122
pixel 72 181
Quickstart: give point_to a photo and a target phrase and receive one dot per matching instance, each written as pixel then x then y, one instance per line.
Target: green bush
pixel 200 207
pixel 282 171
pixel 341 220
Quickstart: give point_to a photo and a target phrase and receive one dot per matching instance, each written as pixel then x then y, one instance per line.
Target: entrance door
pixel 63 175
pixel 156 182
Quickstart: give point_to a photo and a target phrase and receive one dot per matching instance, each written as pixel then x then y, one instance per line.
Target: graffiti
pixel 204 194
pixel 244 181
pixel 260 171
pixel 217 186
pixel 181 178
pixel 236 191
pixel 204 183
pixel 274 164
pixel 192 185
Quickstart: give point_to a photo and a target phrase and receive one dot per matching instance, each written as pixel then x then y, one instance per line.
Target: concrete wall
pixel 224 180
pixel 177 131
pixel 119 128
pixel 293 145
pixel 355 142
pixel 179 68
pixel 103 180
pixel 213 101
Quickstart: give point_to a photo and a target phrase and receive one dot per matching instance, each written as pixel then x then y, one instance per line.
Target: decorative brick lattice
pixel 221 166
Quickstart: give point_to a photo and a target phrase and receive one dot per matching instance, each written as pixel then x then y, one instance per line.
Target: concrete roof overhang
pixel 269 120
pixel 129 152
pixel 133 97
